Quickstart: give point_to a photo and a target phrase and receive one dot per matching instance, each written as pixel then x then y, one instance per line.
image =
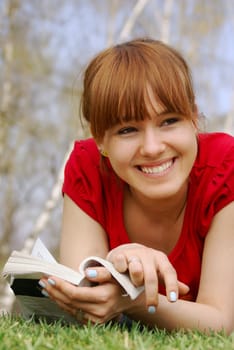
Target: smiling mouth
pixel 157 169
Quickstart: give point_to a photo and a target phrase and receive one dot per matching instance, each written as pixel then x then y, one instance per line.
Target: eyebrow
pixel 161 114
pixel 125 119
pixel 167 112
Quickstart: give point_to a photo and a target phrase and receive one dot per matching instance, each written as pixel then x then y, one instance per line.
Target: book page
pixel 42 307
pixel 122 278
pixel 41 262
pixel 20 265
pixel 40 251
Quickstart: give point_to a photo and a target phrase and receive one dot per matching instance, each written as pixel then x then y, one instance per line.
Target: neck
pixel 165 209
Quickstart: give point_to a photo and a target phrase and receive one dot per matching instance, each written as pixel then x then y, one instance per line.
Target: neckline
pixel 176 251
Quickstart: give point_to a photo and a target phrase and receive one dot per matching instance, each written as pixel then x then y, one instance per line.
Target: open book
pixel 23 271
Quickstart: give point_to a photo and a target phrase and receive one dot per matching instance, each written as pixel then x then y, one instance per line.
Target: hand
pixel 148 266
pixel 97 304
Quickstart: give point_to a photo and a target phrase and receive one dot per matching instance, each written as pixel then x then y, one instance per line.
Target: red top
pixel 99 193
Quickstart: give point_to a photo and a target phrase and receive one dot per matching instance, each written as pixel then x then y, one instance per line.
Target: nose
pixel 152 143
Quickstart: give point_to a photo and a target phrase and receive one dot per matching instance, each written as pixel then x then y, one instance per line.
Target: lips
pixel 159 169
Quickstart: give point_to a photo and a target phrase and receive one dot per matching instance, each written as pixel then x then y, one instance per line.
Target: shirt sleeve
pixel 219 190
pixel 82 179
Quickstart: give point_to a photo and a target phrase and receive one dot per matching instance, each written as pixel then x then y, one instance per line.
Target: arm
pixel 214 307
pixel 81 236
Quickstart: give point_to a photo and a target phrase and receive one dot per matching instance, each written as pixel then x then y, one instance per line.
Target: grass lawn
pixel 19 334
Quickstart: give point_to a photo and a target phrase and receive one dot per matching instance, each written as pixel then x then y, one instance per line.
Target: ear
pixel 99 144
pixel 101 149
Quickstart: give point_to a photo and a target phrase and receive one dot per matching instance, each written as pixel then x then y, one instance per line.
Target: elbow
pixel 228 327
pixel 226 321
pixel 216 318
pixel 223 324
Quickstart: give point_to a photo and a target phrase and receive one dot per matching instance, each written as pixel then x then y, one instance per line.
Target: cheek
pixel 189 135
pixel 118 158
pixel 121 152
pixel 186 141
pixel 121 158
pixel 191 147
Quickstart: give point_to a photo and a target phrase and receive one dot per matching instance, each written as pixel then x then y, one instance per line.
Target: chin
pixel 163 192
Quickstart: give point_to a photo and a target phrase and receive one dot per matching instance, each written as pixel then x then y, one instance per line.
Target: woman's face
pixel 154 156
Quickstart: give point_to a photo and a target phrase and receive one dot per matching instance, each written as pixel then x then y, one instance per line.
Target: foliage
pixel 16 333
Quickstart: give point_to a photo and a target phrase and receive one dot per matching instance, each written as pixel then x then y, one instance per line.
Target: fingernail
pixel 91 273
pixel 51 282
pixel 44 292
pixel 151 309
pixel 173 296
pixel 42 284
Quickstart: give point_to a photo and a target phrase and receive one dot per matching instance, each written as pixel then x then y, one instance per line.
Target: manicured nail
pixel 44 292
pixel 91 273
pixel 151 309
pixel 173 296
pixel 42 284
pixel 51 282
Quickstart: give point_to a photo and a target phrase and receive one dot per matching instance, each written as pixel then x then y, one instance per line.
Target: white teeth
pixel 157 169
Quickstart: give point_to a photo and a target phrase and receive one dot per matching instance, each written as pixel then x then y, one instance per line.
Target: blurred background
pixel 44 47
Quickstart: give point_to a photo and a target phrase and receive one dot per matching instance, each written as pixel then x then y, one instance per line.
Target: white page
pixel 40 251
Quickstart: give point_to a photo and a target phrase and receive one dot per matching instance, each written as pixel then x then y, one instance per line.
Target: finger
pixel 93 319
pixel 59 298
pixel 136 271
pixel 75 295
pixel 169 276
pixel 183 288
pixel 98 275
pixel 142 270
pixel 80 314
pixel 151 283
pixel 69 309
pixel 59 290
pixel 92 301
pixel 120 262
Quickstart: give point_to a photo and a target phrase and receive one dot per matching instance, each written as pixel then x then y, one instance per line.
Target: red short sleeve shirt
pixel 99 193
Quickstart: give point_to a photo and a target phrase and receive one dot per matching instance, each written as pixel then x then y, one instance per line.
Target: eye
pixel 127 130
pixel 170 121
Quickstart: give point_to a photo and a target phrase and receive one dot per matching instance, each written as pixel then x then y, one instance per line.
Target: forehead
pixel 154 105
pixel 135 85
pixel 146 106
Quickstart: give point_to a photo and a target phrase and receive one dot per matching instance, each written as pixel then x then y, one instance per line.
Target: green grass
pixel 19 334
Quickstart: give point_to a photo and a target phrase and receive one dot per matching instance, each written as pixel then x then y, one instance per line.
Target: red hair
pixel 117 81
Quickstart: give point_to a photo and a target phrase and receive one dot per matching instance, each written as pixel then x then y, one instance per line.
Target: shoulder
pixel 82 178
pixel 212 178
pixel 216 138
pixel 82 169
pixel 86 151
pixel 214 148
pixel 83 159
pixel 214 166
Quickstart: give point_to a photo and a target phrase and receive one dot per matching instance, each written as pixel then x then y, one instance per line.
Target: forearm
pixel 179 315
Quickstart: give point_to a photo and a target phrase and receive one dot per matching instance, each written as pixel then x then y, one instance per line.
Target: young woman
pixel 151 194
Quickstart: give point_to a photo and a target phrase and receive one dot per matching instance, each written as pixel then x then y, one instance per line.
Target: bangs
pixel 117 91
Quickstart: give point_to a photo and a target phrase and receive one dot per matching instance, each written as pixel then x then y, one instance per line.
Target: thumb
pixel 183 288
pixel 98 274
